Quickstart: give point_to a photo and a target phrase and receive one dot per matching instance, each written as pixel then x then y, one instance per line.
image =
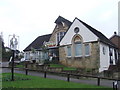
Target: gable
pixel 62 25
pixel 84 32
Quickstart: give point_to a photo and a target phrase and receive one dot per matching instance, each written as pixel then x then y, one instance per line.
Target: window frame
pixel 80 55
pixel 85 49
pixel 69 46
pixel 59 36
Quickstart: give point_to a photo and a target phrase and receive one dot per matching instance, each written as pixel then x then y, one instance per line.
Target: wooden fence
pixel 69 75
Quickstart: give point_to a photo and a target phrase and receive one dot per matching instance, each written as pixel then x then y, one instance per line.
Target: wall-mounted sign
pixel 50 44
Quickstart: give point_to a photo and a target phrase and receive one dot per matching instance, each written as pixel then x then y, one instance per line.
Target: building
pixel 74 44
pixel 115 39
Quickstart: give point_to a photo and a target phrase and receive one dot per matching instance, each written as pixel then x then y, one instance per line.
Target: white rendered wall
pixel 86 34
pixel 104 59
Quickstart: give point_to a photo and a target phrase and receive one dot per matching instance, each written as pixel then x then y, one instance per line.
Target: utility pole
pixel 118 46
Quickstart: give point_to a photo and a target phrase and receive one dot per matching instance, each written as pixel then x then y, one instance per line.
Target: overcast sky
pixel 29 19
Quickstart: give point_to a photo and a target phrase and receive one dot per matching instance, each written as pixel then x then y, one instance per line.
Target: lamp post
pixel 13 45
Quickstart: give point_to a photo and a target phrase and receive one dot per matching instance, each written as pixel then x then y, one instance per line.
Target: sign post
pixel 13 46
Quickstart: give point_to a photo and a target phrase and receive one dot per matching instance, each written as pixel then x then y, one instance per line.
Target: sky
pixel 29 19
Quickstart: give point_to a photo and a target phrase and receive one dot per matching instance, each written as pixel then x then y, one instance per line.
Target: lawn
pixel 64 67
pixel 20 66
pixel 52 65
pixel 39 82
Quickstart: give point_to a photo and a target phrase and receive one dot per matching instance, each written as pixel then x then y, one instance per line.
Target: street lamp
pixel 13 46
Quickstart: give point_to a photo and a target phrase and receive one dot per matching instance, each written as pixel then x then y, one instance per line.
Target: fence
pixel 69 75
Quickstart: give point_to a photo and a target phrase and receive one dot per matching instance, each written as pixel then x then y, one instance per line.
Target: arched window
pixel 77 44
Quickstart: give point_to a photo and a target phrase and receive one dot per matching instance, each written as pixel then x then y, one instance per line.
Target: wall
pixel 87 35
pixel 116 40
pixel 57 30
pixel 91 61
pixel 104 58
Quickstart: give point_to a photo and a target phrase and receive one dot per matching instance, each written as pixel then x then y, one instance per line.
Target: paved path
pixel 107 83
pixel 5 64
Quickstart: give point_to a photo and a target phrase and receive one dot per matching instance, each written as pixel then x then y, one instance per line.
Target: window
pixel 116 57
pixel 87 49
pixel 68 50
pixel 27 56
pixel 76 30
pixel 111 55
pixel 78 49
pixel 104 50
pixel 60 35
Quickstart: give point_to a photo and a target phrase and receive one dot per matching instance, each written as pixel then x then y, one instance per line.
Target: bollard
pixel 45 74
pixel 68 77
pixel 26 71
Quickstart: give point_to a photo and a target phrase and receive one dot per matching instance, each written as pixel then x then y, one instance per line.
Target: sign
pixel 50 44
pixel 13 42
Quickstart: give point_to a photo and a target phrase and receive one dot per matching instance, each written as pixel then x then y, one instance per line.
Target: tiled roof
pixel 38 42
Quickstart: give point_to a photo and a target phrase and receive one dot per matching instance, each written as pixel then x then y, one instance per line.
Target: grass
pixel 52 65
pixel 39 82
pixel 20 66
pixel 64 67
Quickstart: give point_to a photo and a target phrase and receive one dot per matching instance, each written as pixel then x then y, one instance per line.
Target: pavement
pixel 5 64
pixel 107 83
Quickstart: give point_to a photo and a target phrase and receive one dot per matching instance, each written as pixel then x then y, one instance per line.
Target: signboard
pixel 50 44
pixel 13 42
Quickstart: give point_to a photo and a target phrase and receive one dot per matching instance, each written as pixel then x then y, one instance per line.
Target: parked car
pixel 22 59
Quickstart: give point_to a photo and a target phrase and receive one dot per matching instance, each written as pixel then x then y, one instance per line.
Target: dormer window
pixel 59 25
pixel 63 24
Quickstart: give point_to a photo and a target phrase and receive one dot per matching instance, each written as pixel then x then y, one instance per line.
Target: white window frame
pixel 85 49
pixel 59 36
pixel 104 50
pixel 70 50
pixel 81 49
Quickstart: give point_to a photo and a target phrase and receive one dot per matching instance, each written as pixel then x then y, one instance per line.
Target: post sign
pixel 13 47
pixel 13 42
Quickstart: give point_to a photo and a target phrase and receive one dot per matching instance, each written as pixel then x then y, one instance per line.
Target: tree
pixel 5 55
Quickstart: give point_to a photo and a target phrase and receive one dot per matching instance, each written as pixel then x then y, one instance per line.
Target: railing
pixel 68 75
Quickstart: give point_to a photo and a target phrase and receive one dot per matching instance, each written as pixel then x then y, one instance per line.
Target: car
pixel 22 59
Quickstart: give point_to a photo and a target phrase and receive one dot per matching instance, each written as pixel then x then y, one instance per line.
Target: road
pixel 107 83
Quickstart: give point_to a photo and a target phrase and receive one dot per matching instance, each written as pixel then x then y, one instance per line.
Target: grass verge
pixel 39 82
pixel 64 67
